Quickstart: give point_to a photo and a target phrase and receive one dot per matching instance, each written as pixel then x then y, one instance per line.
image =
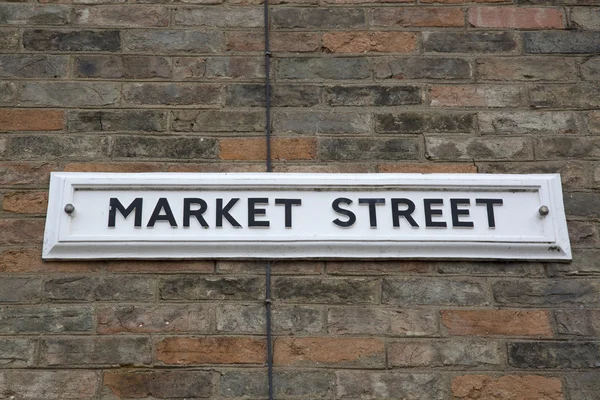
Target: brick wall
pixel 486 86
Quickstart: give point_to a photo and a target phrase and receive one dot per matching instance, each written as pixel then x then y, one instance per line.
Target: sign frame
pixel 63 185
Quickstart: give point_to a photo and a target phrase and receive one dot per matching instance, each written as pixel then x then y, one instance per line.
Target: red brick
pixel 516 17
pixel 30 260
pixel 282 42
pixel 427 168
pixel 418 17
pixel 25 202
pixel 114 167
pixel 211 350
pixel 509 387
pixel 21 231
pixel 497 322
pixel 25 173
pixel 363 42
pixel 326 351
pixel 282 149
pixel 477 96
pixel 31 120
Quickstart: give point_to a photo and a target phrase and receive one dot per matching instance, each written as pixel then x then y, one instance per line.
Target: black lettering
pixel 224 212
pixel 396 213
pixel 288 203
pixel 162 204
pixel 253 211
pixel 336 207
pixel 454 203
pixel 115 205
pixel 490 203
pixel 429 213
pixel 188 212
pixel 372 210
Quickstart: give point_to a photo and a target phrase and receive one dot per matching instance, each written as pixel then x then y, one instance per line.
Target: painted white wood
pixel 520 232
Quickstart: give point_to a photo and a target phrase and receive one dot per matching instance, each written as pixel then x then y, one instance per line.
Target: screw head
pixel 544 210
pixel 69 208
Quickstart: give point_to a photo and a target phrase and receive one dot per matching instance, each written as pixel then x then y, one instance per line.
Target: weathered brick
pixel 540 355
pixel 368 41
pixel 26 14
pixel 160 267
pixel 33 66
pixel 427 291
pixel 419 122
pixel 69 94
pixel 113 167
pixel 470 42
pixel 50 385
pixel 254 149
pixel 583 234
pixel 9 40
pixel 253 95
pixel 160 384
pixel 584 204
pixel 417 16
pixel 114 67
pixel 50 40
pixel 55 147
pixel 369 149
pixel 323 168
pixel 577 322
pixel 499 268
pixel 590 69
pixel 372 385
pixel 25 202
pixel 321 122
pixel 327 291
pixel 31 120
pixel 322 18
pixel 462 148
pixel 172 94
pixel 585 263
pixel 9 92
pixel 172 41
pixel 175 148
pixel 573 174
pixel 523 387
pixel 526 69
pixel 588 18
pixel 16 353
pixel 565 96
pixel 117 120
pixel 211 350
pixel 28 260
pixel 516 17
pixel 433 168
pixel 218 167
pixel 325 351
pixel 561 42
pixel 373 95
pixel 583 385
pixel 323 68
pixel 547 293
pixel 21 173
pixel 565 147
pixel 477 96
pixel 218 121
pixel 527 122
pixel 497 322
pixel 316 384
pixel 220 17
pixel 424 68
pixel 286 319
pixel 45 319
pixel 86 288
pixel 381 321
pixel 129 16
pixel 373 267
pixel 235 67
pixel 205 288
pixel 281 267
pixel 93 351
pixel 189 68
pixel 20 290
pixel 467 354
pixel 282 42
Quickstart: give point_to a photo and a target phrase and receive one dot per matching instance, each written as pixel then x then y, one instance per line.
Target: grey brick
pixel 481 353
pixel 20 290
pixel 218 121
pixel 526 69
pixel 323 68
pixel 369 149
pixel 585 263
pixel 372 385
pixel 427 291
pixel 577 322
pixel 315 384
pixel 117 120
pixel 373 95
pixel 131 67
pixel 583 95
pixel 419 122
pixel 50 40
pixel 321 122
pixel 172 94
pixel 590 69
pixel 161 384
pixel 425 68
pixel 172 41
pixel 561 42
pixel 16 353
pixel 547 293
pixel 253 95
pixel 286 319
pixel 564 147
pixel 469 148
pixel 381 321
pixel 540 355
pixel 584 386
pixel 92 351
pixel 583 234
pixel 204 288
pixel 86 288
pixel 220 17
pixel 9 92
pixel 55 147
pixel 69 94
pixel 586 18
pixel 235 67
pixel 582 204
pixel 328 291
pixel 45 319
pixel 527 122
pixel 573 174
pixel 50 385
pixel 188 68
pixel 129 16
pixel 30 14
pixel 500 268
pixel 470 42
pixel 9 40
pixel 33 66
pixel 175 148
pixel 325 18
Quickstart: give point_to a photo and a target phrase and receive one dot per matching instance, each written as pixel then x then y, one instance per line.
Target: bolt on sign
pixel 275 216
